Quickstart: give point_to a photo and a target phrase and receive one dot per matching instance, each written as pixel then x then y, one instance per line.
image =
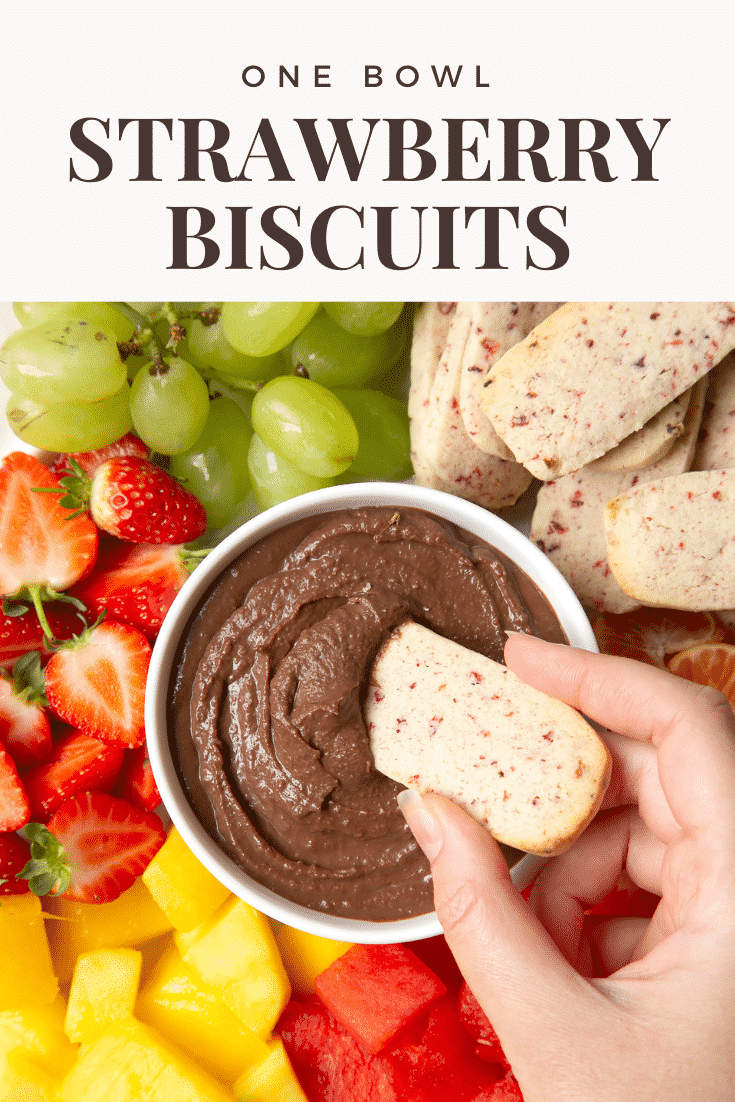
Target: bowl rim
pixel 464 514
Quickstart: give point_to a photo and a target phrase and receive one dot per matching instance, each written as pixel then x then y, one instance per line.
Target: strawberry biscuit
pixel 445 719
pixel 671 542
pixel 595 372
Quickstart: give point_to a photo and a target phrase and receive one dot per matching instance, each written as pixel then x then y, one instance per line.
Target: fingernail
pixel 513 634
pixel 425 826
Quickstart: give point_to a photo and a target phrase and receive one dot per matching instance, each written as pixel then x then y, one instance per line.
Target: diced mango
pixel 272 1080
pixel 130 1062
pixel 34 1052
pixel 103 989
pixel 183 939
pixel 177 1002
pixel 22 1080
pixel 129 921
pixel 181 886
pixel 306 955
pixel 26 973
pixel 40 1031
pixel 237 954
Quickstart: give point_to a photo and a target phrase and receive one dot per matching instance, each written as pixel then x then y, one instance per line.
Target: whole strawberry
pixel 130 444
pixel 135 500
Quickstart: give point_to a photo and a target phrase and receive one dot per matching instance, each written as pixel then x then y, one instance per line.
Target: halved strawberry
pixel 14 853
pixel 22 633
pixel 137 582
pixel 96 682
pixel 93 849
pixel 14 807
pixel 78 762
pixel 135 500
pixel 136 781
pixel 129 444
pixel 25 731
pixel 44 549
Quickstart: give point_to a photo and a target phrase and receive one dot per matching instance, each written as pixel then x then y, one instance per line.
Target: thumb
pixel 537 1003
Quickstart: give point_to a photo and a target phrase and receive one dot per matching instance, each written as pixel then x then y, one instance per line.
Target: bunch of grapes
pixel 277 397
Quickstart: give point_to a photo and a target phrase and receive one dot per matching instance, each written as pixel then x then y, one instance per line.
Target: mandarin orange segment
pixel 708 664
pixel 650 634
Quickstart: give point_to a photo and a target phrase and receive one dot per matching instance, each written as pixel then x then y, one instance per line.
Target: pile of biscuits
pixel 625 412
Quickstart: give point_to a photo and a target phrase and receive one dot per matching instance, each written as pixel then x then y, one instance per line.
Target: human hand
pixel 661 1025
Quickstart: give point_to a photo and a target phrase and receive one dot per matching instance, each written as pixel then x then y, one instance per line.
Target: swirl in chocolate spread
pixel 267 706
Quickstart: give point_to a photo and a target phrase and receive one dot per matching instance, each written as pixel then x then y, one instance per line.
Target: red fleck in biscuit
pixel 431 327
pixel 442 453
pixel 652 442
pixel 444 719
pixel 495 327
pixel 569 521
pixel 716 446
pixel 671 542
pixel 595 372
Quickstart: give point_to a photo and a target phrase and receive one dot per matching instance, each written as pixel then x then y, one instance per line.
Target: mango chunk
pixel 306 955
pixel 103 989
pixel 272 1080
pixel 237 954
pixel 181 886
pixel 34 1052
pixel 22 1080
pixel 26 974
pixel 177 1002
pixel 130 1062
pixel 129 921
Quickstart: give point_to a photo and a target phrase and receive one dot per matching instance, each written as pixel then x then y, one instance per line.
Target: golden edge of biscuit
pixel 562 844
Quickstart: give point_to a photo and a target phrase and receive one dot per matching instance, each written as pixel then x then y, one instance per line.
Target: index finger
pixel 691 727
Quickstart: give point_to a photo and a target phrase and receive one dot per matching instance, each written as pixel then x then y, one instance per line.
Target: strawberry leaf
pixel 14 608
pixel 27 679
pixel 48 869
pixel 190 559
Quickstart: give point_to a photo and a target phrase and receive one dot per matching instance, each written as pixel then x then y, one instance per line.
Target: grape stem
pixel 143 336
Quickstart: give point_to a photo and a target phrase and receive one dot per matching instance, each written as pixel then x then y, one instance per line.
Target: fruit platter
pixel 138 436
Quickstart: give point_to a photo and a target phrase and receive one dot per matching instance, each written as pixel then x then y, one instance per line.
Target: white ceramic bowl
pixel 462 513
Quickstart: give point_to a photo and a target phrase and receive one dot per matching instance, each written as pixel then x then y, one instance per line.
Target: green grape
pixel 385 443
pixel 99 314
pixel 218 384
pixel 215 468
pixel 366 319
pixel 146 308
pixel 262 328
pixel 192 307
pixel 305 424
pixel 207 348
pixel 169 404
pixel 333 357
pixel 71 426
pixel 275 479
pixel 395 382
pixel 62 361
pixel 134 364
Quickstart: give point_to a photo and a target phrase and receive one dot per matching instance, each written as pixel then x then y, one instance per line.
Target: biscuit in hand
pixel 442 718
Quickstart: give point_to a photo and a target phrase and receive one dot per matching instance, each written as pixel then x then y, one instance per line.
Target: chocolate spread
pixel 266 709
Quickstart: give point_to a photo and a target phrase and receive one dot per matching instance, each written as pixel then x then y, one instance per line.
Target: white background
pixel 668 240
